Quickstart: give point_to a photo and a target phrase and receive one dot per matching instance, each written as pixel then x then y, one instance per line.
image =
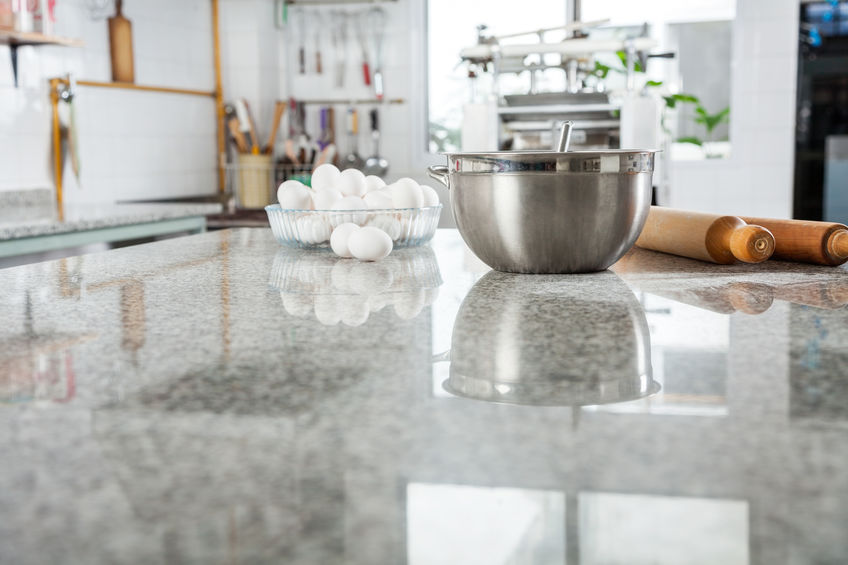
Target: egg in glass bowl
pixel 306 216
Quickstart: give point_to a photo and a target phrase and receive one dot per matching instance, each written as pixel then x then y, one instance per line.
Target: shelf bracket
pixel 13 51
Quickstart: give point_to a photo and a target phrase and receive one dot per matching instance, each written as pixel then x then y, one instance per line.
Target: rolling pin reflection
pixel 829 295
pixel 748 298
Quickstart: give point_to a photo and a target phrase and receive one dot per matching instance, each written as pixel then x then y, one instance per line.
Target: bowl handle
pixel 440 173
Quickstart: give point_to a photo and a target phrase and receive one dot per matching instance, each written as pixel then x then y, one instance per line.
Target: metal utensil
pixel 339 19
pixel 376 165
pixel 352 160
pixel 377 23
pixel 549 211
pixel 318 25
pixel 362 38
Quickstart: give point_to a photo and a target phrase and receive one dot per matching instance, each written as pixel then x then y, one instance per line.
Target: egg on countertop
pixel 339 237
pixel 369 244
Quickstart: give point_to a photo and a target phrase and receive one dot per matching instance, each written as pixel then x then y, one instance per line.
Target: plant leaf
pixel 601 70
pixel 692 140
pixel 637 66
pixel 654 83
pixel 686 98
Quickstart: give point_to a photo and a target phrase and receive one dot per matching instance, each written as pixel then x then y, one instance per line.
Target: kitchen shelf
pixel 556 109
pixel 133 86
pixel 9 37
pixel 331 101
pixel 15 39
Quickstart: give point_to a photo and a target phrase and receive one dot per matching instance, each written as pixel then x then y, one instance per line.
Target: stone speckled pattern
pixel 32 219
pixel 217 399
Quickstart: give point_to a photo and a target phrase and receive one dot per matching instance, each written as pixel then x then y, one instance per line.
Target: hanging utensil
pixel 376 165
pixel 352 160
pixel 362 38
pixel 301 49
pixel 377 23
pixel 318 24
pixel 339 23
pixel 279 110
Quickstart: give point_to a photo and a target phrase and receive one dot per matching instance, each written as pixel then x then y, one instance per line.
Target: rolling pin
pixel 717 239
pixel 821 243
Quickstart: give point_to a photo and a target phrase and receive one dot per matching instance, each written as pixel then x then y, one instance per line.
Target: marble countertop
pixel 32 219
pixel 219 399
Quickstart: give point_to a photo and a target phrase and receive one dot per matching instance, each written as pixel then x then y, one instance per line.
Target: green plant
pixel 702 116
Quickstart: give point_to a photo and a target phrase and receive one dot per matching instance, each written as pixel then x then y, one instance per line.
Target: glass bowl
pixel 311 229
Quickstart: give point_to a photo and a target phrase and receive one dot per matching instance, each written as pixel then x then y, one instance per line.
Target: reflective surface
pixel 548 212
pixel 161 404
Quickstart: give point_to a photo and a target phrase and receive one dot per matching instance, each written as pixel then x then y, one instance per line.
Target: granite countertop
pixel 219 399
pixel 24 216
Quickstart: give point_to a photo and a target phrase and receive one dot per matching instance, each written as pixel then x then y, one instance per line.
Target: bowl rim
pixel 523 154
pixel 277 208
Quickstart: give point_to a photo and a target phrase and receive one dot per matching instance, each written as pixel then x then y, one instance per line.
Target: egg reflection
pixel 346 291
pixel 559 340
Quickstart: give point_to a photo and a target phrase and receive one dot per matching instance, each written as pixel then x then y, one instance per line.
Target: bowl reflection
pixel 334 290
pixel 551 340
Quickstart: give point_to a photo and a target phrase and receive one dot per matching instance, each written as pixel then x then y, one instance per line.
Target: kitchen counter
pixel 219 399
pixel 30 224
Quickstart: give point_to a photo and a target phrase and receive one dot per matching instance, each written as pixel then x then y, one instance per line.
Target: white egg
pixel 431 197
pixel 298 305
pixel 378 200
pixel 388 224
pixel 339 237
pixel 369 244
pixel 294 195
pixel 354 310
pixel 321 229
pixel 327 309
pixel 325 176
pixel 325 198
pixel 351 182
pixel 406 194
pixel 352 204
pixel 407 304
pixel 373 182
pixel 312 230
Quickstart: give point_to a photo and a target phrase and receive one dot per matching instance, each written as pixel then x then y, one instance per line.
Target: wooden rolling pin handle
pixel 751 244
pixel 838 245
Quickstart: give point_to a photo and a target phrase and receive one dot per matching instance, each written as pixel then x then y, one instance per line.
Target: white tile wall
pixel 758 178
pixel 136 145
pixel 132 144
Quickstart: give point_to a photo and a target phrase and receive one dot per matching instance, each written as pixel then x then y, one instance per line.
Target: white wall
pixel 132 144
pixel 758 178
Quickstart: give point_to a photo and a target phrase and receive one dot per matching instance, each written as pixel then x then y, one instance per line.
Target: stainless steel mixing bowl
pixel 549 211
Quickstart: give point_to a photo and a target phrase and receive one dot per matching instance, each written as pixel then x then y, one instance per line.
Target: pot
pixel 552 341
pixel 549 211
